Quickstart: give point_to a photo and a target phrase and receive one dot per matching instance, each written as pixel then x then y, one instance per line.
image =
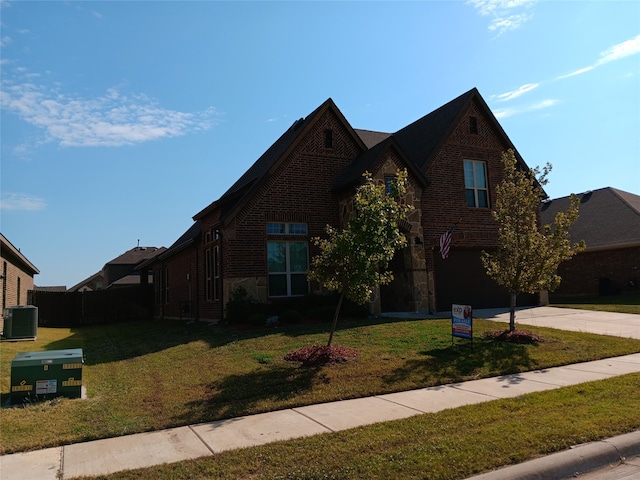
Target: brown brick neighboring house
pixel 16 276
pixel 258 233
pixel 609 223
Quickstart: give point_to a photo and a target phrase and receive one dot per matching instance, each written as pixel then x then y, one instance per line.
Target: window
pixel 388 184
pixel 4 285
pixel 287 264
pixel 287 228
pixel 216 272
pixel 475 182
pixel 328 138
pixel 473 125
pixel 18 292
pixel 208 275
pixel 287 261
pixel 212 273
pixel 166 285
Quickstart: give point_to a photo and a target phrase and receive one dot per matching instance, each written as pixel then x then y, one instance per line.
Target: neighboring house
pixel 16 276
pixel 94 282
pixel 258 234
pixel 52 288
pixel 609 223
pixel 125 265
pixel 121 271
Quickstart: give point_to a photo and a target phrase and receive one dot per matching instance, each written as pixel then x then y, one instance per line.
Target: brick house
pixel 609 223
pixel 16 275
pixel 121 271
pixel 257 234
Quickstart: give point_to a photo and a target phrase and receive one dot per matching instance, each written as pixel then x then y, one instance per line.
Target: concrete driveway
pixel 591 321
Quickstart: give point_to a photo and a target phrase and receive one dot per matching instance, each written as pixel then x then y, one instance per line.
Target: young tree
pixel 354 261
pixel 527 257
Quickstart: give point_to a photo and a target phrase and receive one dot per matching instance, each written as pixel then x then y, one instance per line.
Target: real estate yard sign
pixel 462 321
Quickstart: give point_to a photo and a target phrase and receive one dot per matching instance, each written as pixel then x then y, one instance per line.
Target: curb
pixel 570 463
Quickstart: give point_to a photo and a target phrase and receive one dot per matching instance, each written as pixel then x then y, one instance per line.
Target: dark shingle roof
pixel 421 139
pixel 608 218
pixel 136 255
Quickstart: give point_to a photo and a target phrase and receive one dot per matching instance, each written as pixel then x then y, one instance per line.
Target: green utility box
pixel 43 375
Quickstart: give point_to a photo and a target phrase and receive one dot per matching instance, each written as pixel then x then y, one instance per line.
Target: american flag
pixel 445 243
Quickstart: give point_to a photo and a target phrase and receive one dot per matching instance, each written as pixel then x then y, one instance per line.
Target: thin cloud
pixel 112 119
pixel 527 87
pixel 507 15
pixel 509 112
pixel 21 202
pixel 618 51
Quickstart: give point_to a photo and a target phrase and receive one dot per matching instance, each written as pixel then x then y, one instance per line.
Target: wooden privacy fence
pixel 74 309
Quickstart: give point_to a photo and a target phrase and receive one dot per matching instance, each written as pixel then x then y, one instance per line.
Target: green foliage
pixel 354 261
pixel 527 257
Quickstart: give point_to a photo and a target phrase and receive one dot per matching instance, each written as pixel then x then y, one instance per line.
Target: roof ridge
pixel 617 192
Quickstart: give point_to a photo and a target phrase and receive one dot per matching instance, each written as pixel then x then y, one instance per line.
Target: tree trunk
pixel 512 312
pixel 335 319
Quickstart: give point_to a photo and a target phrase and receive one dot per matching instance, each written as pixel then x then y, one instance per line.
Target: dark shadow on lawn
pixel 125 340
pixel 457 363
pixel 239 395
pixel 122 341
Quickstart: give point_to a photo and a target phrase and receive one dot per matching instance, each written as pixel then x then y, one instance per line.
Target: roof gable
pixel 249 183
pixel 608 218
pixel 366 162
pixel 7 246
pixel 423 139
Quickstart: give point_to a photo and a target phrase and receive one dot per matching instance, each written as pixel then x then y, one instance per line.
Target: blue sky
pixel 121 120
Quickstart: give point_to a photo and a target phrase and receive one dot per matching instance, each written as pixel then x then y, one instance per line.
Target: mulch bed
pixel 315 355
pixel 517 336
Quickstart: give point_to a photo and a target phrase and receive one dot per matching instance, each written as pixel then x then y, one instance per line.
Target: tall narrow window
pixel 328 138
pixel 166 285
pixel 287 261
pixel 208 275
pixel 18 293
pixel 216 272
pixel 475 182
pixel 473 125
pixel 4 285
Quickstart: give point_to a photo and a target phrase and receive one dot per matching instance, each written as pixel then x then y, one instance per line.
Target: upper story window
pixel 475 183
pixel 473 125
pixel 286 228
pixel 328 138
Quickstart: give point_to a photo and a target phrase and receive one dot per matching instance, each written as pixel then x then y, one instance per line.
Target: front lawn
pixel 151 375
pixel 622 303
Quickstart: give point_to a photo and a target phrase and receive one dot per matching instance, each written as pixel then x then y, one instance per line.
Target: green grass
pixel 150 375
pixel 623 303
pixel 449 445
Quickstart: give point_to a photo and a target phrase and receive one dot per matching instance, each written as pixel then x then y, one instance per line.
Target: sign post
pixel 461 322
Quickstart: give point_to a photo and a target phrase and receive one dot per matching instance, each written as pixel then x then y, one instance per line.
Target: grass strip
pixel 449 445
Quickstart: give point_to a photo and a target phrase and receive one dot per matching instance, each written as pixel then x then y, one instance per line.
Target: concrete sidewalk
pixel 183 443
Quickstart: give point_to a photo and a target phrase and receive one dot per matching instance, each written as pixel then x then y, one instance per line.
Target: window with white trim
pixel 274 228
pixel 287 260
pixel 208 275
pixel 475 183
pixel 216 272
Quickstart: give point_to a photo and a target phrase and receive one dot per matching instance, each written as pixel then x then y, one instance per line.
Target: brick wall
pixel 15 285
pixel 299 190
pixel 583 273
